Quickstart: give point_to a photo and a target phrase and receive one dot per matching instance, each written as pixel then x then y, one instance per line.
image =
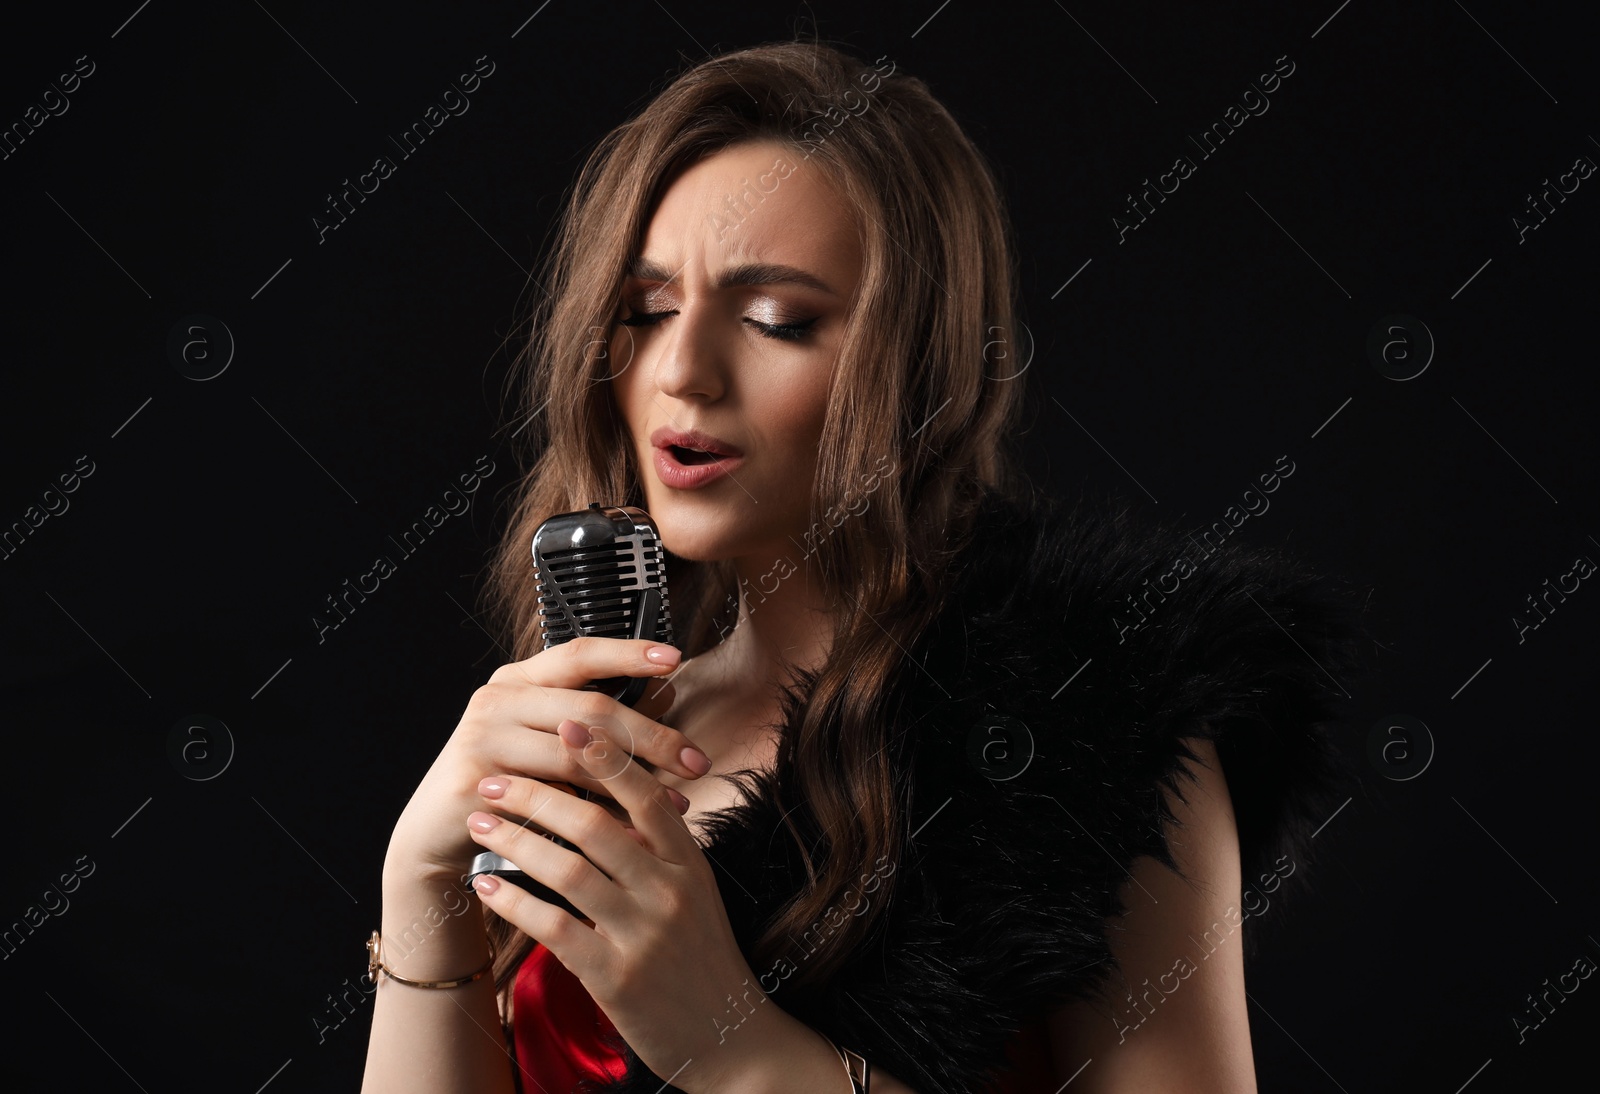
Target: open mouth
pixel 692 455
pixel 680 467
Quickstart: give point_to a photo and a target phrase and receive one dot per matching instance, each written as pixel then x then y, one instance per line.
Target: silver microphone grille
pixel 594 567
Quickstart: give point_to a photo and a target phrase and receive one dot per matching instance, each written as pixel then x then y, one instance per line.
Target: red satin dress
pixel 556 1030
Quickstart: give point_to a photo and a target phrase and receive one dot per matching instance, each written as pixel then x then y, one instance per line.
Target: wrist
pixel 403 870
pixel 790 1057
pixel 432 927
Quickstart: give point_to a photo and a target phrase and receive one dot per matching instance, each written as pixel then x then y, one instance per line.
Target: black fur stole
pixel 1078 649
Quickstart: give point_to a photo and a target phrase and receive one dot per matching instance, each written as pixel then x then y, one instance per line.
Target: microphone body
pixel 602 572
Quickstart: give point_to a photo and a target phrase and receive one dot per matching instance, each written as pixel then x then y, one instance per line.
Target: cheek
pixel 619 372
pixel 623 356
pixel 796 426
pixel 806 407
pixel 626 394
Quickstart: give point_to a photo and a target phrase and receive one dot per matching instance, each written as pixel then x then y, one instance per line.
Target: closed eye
pixel 787 332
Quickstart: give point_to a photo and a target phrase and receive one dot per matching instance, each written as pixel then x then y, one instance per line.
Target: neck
pixel 783 621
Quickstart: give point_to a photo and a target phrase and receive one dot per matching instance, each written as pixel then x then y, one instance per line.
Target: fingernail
pixel 483 822
pixel 486 883
pixel 662 655
pixel 695 760
pixel 679 800
pixel 574 733
pixel 492 787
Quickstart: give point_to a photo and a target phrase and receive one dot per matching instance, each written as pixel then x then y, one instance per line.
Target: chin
pixel 696 548
pixel 696 537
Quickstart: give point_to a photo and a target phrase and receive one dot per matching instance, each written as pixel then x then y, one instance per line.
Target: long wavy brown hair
pixel 926 377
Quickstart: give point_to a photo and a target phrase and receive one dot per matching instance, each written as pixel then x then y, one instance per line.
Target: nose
pixel 690 354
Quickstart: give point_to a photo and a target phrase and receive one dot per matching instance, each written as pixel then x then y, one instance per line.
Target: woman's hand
pixel 509 726
pixel 660 959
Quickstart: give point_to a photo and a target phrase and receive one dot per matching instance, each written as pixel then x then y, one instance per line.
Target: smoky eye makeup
pixel 770 313
pixel 787 332
pixel 769 318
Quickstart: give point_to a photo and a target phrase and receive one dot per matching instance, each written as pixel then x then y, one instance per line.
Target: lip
pixel 693 438
pixel 690 476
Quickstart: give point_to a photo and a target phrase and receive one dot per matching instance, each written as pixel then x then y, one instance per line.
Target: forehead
pixel 755 202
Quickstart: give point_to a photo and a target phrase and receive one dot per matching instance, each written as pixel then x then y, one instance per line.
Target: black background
pixel 1175 368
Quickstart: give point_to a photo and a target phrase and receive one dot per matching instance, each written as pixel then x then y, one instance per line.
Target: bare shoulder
pixel 1175 1018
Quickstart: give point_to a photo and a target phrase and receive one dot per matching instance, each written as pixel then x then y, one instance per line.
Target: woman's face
pixel 729 325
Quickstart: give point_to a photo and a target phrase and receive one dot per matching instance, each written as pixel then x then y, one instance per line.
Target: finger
pixel 541 755
pixel 493 787
pixel 566 871
pixel 636 734
pixel 656 702
pixel 577 661
pixel 575 943
pixel 649 802
pixel 594 827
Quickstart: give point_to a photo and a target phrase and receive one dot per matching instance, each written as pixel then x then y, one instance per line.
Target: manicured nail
pixel 483 822
pixel 492 787
pixel 486 883
pixel 679 800
pixel 695 760
pixel 662 655
pixel 574 733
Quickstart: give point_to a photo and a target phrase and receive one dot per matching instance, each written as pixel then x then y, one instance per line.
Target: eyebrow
pixel 744 273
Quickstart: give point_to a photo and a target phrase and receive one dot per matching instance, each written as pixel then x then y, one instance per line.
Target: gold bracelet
pixel 375 964
pixel 856 1068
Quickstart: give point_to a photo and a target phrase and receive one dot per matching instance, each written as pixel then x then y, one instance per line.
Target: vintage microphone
pixel 602 571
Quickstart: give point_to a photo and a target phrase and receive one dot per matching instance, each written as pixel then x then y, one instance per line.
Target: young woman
pixel 944 788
